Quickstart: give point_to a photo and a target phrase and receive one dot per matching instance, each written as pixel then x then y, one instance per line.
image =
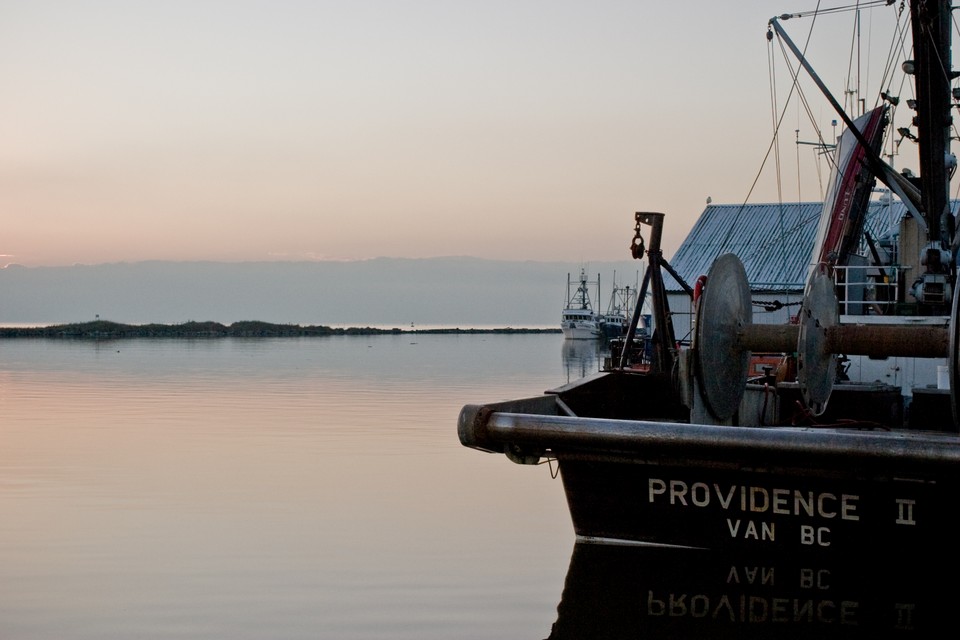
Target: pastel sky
pixel 243 130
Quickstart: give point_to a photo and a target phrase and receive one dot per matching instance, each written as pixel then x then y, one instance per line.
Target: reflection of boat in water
pixel 617 592
pixel 578 320
pixel 582 358
pixel 801 462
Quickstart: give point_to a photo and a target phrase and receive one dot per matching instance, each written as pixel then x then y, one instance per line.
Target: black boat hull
pixel 784 489
pixel 823 511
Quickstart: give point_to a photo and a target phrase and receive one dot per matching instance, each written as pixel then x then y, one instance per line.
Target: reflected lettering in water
pixel 620 592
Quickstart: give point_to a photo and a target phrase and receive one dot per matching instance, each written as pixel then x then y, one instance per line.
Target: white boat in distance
pixel 579 321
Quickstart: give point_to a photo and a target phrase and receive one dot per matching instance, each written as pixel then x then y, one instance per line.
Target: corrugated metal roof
pixel 774 241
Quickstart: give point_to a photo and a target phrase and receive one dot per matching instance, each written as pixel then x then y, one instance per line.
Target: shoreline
pixel 105 330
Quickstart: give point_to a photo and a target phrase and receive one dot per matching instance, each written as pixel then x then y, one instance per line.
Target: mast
pixel 932 76
pixel 931 68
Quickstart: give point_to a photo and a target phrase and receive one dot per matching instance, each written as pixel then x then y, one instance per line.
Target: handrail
pixel 880 287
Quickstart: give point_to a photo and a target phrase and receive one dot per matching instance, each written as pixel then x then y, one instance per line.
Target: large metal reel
pixel 816 365
pixel 724 309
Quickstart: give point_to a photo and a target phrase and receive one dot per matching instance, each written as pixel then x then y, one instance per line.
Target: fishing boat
pixel 806 461
pixel 615 322
pixel 579 321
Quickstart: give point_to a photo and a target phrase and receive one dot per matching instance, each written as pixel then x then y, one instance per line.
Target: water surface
pixel 274 488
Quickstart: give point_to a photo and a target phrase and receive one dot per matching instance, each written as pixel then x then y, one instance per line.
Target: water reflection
pixel 583 357
pixel 274 488
pixel 632 592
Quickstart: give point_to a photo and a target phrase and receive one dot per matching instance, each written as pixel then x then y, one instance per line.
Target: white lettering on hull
pixel 905 512
pixel 761 500
pixel 749 530
pixel 755 500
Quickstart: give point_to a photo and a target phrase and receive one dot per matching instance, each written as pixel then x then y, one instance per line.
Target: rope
pixel 896 44
pixel 553 472
pixel 841 9
pixel 897 52
pixel 803 417
pixel 775 305
pixel 777 122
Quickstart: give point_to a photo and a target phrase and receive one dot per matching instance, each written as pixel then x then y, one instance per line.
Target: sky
pixel 246 130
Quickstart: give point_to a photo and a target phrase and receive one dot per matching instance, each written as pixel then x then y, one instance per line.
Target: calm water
pixel 288 488
pixel 315 488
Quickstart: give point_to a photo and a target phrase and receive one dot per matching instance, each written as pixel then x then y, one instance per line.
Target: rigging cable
pixel 841 9
pixel 776 137
pixel 784 234
pixel 854 49
pixel 795 74
pixel 895 53
pixel 773 141
pixel 896 44
pixel 799 183
pixel 954 127
pixel 795 88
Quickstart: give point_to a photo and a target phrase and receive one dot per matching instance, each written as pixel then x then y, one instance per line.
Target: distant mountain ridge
pixel 455 291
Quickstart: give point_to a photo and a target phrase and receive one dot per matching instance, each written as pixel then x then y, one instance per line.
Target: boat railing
pixel 869 290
